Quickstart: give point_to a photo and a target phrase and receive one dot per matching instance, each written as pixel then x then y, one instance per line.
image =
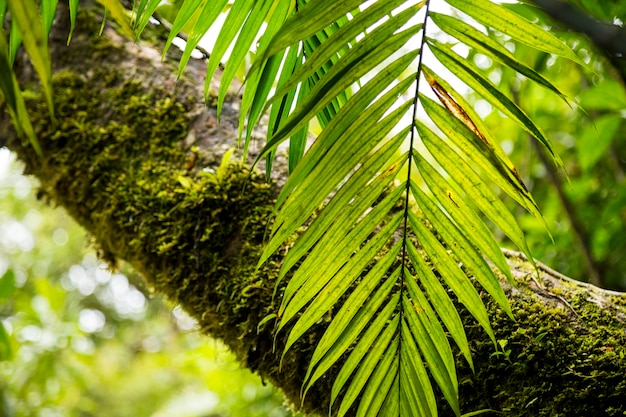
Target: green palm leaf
pixel 499 18
pixel 48 10
pixel 73 6
pixel 474 38
pixel 485 88
pixel 25 16
pixel 370 239
pixel 11 93
pixel 142 11
pixel 119 14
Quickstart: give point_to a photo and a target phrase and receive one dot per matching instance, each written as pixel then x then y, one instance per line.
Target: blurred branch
pixel 578 229
pixel 182 35
pixel 580 233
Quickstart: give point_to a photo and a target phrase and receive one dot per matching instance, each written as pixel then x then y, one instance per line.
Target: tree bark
pixel 135 157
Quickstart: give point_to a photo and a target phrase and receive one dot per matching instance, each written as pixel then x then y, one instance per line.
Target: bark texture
pixel 136 158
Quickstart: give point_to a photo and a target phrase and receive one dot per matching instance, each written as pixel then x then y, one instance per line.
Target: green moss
pixel 113 159
pixel 553 360
pixel 155 203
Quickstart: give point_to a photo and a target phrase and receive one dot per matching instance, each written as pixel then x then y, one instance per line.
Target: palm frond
pixel 503 20
pixel 25 16
pixel 12 95
pixel 393 227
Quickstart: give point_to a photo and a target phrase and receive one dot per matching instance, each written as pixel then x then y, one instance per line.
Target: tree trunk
pixel 135 157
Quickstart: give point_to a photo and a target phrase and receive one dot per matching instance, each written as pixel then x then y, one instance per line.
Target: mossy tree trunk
pixel 135 157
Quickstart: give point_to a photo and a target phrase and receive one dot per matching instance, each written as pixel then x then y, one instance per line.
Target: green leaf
pixel 606 95
pixel 349 69
pixel 474 38
pixel 452 274
pixel 353 316
pixel 247 30
pixel 233 23
pixel 203 21
pixel 265 320
pixel 439 297
pixel 3 10
pixel 73 6
pixel 298 142
pixel 15 41
pixel 290 217
pixel 499 18
pixel 144 10
pixel 336 43
pixel 13 96
pixel 432 342
pixel 311 45
pixel 475 232
pixel 48 11
pixel 24 14
pixel 417 394
pixel 479 412
pixel 120 15
pixel 596 138
pixel 338 284
pixel 355 110
pixel 184 16
pixel 300 26
pixel 376 345
pixel 380 383
pixel 7 285
pixel 479 154
pixel 279 111
pixel 463 114
pixel 378 162
pixel 259 84
pixel 335 250
pixel 6 351
pixel 356 122
pixel 478 193
pixel 8 86
pixel 489 92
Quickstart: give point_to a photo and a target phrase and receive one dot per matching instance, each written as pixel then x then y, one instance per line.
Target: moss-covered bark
pixel 134 158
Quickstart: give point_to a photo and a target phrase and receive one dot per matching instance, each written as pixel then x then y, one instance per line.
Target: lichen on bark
pixel 132 156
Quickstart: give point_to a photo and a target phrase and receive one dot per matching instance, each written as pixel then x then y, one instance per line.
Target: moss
pixel 155 204
pixel 113 159
pixel 553 360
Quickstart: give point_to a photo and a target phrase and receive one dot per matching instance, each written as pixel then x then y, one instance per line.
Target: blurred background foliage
pixel 79 340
